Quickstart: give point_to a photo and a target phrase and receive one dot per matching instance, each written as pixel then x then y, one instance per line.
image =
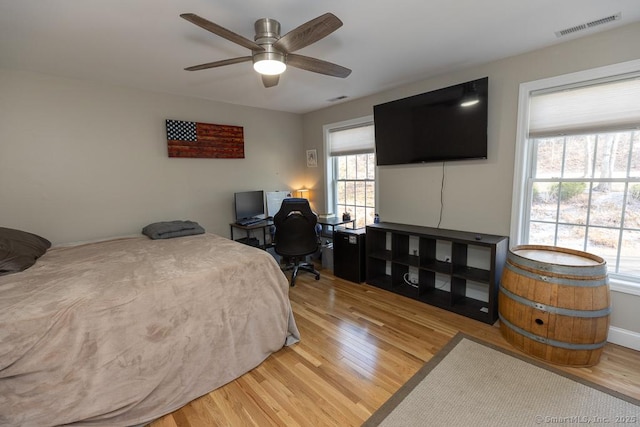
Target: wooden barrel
pixel 554 304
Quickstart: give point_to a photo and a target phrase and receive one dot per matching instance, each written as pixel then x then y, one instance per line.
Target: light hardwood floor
pixel 359 345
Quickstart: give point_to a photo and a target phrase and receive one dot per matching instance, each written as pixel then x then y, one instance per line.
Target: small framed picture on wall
pixel 312 158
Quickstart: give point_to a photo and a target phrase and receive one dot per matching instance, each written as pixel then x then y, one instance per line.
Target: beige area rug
pixel 471 383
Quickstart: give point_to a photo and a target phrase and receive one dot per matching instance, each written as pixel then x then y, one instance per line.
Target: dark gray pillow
pixel 19 250
pixel 171 229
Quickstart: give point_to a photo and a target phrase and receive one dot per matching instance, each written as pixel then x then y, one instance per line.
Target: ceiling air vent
pixel 588 25
pixel 338 98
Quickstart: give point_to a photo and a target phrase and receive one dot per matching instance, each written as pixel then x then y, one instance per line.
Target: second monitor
pixel 249 206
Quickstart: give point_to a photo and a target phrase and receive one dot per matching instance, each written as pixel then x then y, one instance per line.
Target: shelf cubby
pixel 455 270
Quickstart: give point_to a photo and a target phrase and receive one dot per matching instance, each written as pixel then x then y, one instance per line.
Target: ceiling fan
pixel 271 53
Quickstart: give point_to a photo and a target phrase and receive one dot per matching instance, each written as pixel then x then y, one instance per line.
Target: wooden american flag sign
pixel 204 140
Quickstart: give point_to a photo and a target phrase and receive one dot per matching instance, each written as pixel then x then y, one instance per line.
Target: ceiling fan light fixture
pixel 271 53
pixel 269 63
pixel 269 67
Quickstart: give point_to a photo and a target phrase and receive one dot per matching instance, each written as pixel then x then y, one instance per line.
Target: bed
pixel 123 331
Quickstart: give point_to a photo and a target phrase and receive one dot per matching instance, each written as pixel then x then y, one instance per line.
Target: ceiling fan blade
pixel 270 81
pixel 221 31
pixel 317 65
pixel 307 33
pixel 219 63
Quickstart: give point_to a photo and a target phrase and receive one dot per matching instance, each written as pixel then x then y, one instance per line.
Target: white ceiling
pixel 145 44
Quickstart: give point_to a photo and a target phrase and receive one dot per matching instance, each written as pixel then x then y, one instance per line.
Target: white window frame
pixel 524 150
pixel 330 196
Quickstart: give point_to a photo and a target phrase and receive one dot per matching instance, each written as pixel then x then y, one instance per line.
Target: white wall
pixel 477 195
pixel 82 161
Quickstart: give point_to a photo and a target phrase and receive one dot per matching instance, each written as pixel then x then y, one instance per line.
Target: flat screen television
pixel 249 204
pixel 433 126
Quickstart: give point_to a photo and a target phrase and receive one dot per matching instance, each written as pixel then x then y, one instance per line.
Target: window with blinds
pixel 351 168
pixel 598 107
pixel 352 140
pixel 583 175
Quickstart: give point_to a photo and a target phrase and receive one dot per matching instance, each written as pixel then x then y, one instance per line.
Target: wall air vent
pixel 588 25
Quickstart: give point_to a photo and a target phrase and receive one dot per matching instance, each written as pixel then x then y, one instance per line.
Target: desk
pixel 333 223
pixel 252 241
pixel 266 224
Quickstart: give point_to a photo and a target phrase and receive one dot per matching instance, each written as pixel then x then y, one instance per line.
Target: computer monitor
pixel 249 204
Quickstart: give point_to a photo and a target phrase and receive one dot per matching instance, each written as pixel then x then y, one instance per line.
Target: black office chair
pixel 296 235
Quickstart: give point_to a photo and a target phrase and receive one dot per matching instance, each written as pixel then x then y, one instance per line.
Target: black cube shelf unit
pixel 454 270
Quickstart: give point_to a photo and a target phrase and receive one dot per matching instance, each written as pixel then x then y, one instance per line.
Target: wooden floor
pixel 359 345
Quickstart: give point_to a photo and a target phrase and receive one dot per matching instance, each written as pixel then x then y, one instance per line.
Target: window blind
pixel 352 140
pixel 596 108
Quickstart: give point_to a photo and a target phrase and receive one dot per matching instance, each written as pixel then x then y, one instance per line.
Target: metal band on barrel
pixel 560 344
pixel 558 280
pixel 556 310
pixel 595 270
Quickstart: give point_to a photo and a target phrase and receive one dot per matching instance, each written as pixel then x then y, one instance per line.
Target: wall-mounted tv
pixel 433 126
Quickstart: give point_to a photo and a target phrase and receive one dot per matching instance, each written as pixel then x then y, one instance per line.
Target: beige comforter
pixel 124 331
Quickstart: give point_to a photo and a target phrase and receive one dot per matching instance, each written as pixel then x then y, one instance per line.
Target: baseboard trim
pixel 624 337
